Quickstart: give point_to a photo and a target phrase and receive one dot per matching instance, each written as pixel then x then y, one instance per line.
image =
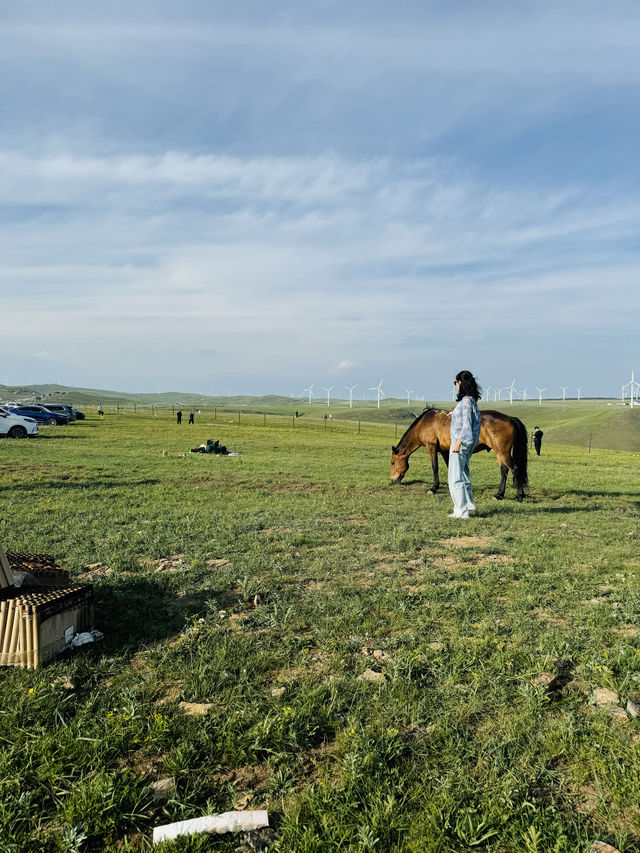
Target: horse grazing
pixel 505 435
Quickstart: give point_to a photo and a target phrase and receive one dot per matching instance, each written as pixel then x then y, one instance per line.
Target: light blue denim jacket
pixel 465 422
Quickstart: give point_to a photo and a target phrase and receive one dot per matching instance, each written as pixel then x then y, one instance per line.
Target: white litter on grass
pixel 244 821
pixel 85 637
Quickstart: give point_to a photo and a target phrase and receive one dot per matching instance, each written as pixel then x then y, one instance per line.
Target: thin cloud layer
pixel 292 200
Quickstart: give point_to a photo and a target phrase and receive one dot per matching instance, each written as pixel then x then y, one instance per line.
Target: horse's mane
pixel 427 410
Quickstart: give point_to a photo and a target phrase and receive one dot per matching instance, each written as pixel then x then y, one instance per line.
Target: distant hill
pixel 574 422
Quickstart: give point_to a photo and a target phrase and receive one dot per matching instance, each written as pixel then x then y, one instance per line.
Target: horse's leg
pixel 503 461
pixel 433 453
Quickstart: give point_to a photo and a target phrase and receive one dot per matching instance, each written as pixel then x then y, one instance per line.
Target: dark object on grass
pixel 501 433
pixel 211 447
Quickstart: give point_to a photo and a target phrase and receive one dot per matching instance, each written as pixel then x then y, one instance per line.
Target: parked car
pixel 79 415
pixel 41 414
pixel 62 410
pixel 15 426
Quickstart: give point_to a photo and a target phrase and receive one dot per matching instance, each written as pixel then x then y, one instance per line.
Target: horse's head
pixel 399 465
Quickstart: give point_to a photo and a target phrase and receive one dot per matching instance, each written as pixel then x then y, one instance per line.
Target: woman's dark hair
pixel 468 386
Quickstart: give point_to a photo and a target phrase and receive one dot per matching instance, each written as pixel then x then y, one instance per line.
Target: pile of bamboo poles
pixel 30 633
pixel 43 567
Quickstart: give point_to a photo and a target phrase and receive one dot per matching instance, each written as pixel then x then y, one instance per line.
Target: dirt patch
pixel 544 616
pixel 171 693
pixel 468 541
pixel 95 572
pixel 248 777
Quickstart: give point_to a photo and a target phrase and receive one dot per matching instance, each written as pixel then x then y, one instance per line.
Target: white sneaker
pixel 458 515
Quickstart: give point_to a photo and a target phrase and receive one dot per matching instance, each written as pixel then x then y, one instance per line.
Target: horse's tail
pixel 519 454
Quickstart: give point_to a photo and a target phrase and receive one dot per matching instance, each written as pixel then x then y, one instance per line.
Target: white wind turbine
pixel 633 387
pixel 540 390
pixel 512 390
pixel 378 388
pixel 579 390
pixel 328 390
pixel 350 390
pixel 524 396
pixel 409 393
pixel 564 391
pixel 487 395
pixel 309 391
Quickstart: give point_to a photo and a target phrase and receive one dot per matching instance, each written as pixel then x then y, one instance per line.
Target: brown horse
pixel 505 435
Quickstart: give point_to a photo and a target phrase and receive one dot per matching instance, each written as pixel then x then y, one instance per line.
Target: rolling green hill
pixel 603 422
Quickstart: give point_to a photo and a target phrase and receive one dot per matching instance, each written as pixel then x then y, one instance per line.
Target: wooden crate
pixel 37 623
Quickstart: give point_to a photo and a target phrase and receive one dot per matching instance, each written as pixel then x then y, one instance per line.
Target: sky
pixel 257 197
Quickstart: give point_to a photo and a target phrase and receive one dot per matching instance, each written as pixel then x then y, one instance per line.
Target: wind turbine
pixel 350 390
pixel 540 390
pixel 378 388
pixel 579 390
pixel 487 395
pixel 524 396
pixel 564 391
pixel 309 391
pixel 409 393
pixel 512 388
pixel 633 391
pixel 328 390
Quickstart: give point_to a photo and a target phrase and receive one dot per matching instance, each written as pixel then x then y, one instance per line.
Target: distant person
pixel 100 412
pixel 465 432
pixel 537 439
pixel 191 420
pixel 179 416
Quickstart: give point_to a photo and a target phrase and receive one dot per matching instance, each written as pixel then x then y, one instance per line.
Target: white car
pixel 16 426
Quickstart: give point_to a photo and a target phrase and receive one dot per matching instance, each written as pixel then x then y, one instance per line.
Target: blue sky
pixel 258 196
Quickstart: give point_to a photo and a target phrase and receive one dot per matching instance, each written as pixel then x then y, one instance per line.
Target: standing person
pixel 465 432
pixel 191 420
pixel 537 439
pixel 179 416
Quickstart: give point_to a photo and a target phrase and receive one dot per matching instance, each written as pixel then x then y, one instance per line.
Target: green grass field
pixel 266 585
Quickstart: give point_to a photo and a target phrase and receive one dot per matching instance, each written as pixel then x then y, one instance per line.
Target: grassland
pixel 266 585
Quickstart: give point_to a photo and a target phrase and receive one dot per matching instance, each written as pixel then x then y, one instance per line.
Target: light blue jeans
pixel 460 480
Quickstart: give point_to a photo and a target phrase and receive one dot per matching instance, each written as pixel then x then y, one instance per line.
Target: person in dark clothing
pixel 179 416
pixel 537 439
pixel 191 421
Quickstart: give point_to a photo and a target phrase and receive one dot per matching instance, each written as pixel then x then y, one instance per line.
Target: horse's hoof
pixel 430 492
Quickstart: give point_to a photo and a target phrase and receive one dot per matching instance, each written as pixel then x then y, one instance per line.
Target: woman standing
pixel 465 431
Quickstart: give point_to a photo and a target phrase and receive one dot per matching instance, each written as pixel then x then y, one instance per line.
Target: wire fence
pixel 295 421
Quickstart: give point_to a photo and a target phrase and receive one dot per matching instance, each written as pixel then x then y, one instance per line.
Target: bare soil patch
pixel 468 541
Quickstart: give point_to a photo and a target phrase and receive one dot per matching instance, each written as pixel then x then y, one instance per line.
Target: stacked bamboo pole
pixel 43 567
pixel 29 634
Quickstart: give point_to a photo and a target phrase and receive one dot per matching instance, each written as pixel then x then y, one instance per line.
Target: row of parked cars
pixel 20 421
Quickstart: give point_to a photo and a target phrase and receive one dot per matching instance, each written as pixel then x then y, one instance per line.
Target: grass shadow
pixel 140 609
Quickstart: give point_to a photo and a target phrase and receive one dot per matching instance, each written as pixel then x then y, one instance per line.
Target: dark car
pixel 61 409
pixel 79 415
pixel 41 414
